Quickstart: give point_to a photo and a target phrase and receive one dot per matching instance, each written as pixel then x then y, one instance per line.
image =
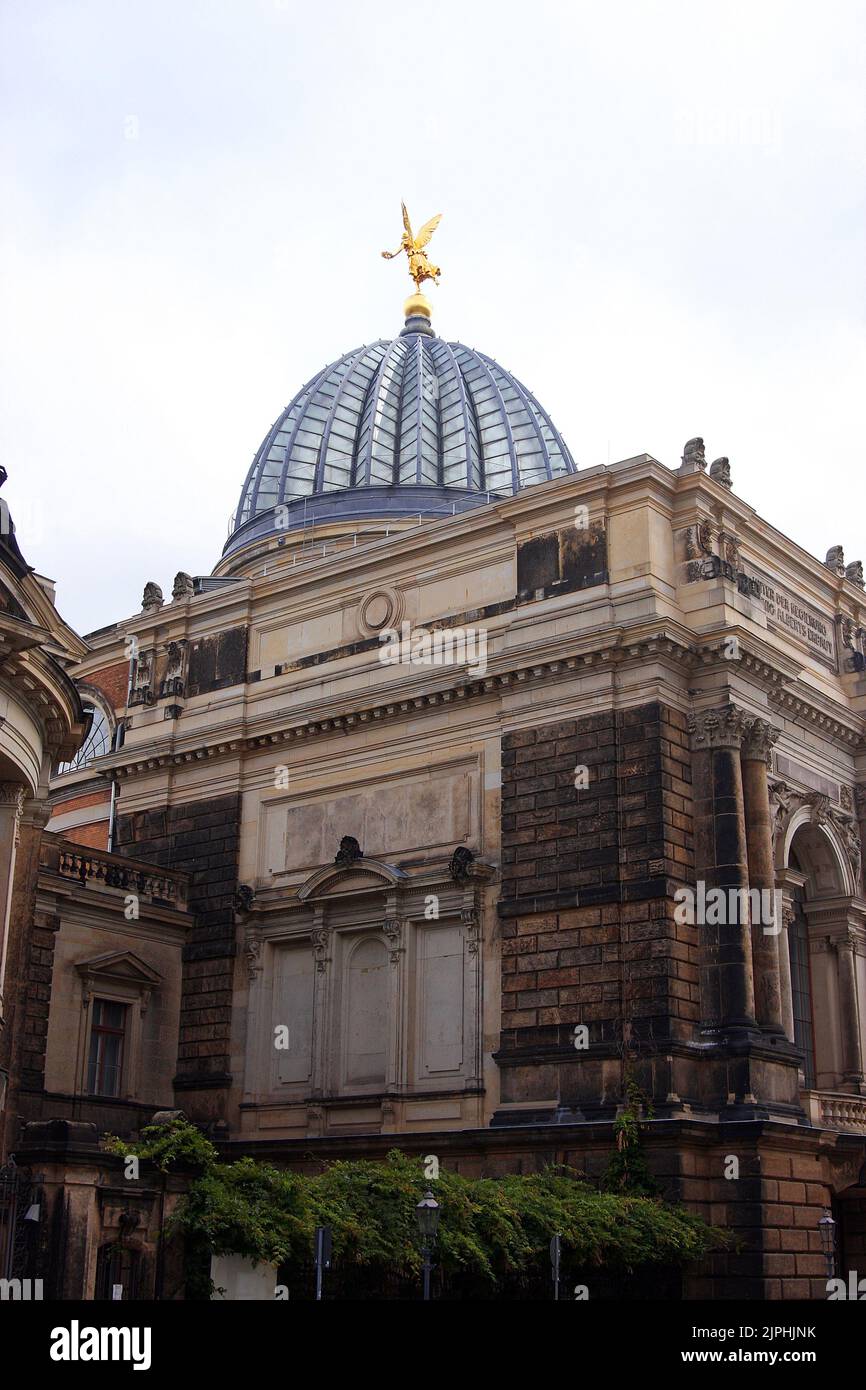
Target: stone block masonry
pixel 590 865
pixel 202 838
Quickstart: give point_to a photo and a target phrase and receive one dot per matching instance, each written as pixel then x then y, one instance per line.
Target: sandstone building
pixel 418 776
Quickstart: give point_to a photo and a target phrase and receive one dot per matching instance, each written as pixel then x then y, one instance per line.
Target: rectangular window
pixel 105 1061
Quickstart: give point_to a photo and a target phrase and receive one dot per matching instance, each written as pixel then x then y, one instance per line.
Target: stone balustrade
pixel 99 868
pixel 836 1110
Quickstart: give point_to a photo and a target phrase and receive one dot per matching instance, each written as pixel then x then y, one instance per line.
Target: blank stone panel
pixel 440 1004
pixel 293 1007
pixel 366 1015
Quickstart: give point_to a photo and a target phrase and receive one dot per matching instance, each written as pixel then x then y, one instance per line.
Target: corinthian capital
pixel 758 740
pixel 718 728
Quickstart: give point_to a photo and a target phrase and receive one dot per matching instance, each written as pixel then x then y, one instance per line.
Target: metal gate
pixel 17 1196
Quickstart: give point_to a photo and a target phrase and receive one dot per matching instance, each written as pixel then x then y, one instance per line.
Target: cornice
pixel 670 642
pixel 596 651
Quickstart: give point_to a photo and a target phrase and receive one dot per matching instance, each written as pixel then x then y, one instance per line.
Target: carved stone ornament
pixel 471 929
pixel 694 459
pixel 846 798
pixel 349 852
pixel 850 835
pixel 820 805
pixel 718 728
pixel 699 540
pixel 252 951
pixel 244 898
pixel 835 560
pixel 731 550
pixel 720 470
pixel 785 802
pixel 183 586
pixel 12 794
pixel 152 599
pixel 758 741
pixel 320 937
pixel 393 929
pixel 860 799
pixel 848 630
pixel 854 573
pixel 460 864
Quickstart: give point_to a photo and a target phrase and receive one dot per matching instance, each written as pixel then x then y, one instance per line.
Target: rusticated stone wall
pixel 201 838
pixel 586 903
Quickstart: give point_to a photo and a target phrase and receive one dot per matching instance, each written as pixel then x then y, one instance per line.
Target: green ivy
pixel 490 1227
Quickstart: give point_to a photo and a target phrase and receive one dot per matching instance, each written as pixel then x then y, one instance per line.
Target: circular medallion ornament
pixel 381 608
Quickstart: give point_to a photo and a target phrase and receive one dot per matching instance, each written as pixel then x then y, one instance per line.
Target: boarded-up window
pixel 367 1014
pixel 293 1009
pixel 440 999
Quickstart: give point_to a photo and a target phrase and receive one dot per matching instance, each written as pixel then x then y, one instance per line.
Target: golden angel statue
pixel 420 268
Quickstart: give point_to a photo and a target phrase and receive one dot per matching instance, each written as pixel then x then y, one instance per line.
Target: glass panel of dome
pixel 381 471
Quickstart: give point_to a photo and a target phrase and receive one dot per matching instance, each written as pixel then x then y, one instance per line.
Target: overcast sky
pixel 653 215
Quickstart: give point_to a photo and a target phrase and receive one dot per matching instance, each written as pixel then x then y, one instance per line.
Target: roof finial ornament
pixel 417 306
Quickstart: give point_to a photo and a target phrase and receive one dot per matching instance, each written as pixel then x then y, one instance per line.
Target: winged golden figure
pixel 420 268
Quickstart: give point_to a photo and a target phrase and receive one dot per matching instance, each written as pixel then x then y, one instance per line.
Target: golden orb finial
pixel 420 268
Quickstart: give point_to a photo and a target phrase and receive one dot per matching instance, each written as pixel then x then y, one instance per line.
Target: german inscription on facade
pixel 791 615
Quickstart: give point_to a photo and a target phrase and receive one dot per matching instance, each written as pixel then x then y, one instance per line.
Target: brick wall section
pixel 202 838
pixel 113 681
pixel 588 877
pixel 93 836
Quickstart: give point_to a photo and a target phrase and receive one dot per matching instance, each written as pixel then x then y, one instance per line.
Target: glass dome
pixel 396 427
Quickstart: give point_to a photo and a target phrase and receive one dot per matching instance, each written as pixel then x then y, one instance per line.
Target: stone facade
pixel 459 883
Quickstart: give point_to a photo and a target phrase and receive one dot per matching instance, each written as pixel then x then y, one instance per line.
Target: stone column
pixel 11 804
pixel 785 970
pixel 849 1022
pixel 721 862
pixel 755 757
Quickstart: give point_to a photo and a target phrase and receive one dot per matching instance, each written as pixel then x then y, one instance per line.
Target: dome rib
pixel 521 391
pixel 412 423
pixel 326 435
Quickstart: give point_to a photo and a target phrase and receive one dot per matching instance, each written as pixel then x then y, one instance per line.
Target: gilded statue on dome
pixel 420 268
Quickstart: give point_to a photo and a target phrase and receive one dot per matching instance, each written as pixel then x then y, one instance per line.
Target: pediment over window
pixel 362 876
pixel 124 967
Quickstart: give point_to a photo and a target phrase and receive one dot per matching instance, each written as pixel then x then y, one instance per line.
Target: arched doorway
pixel 849 1212
pixel 118 1273
pixel 822 964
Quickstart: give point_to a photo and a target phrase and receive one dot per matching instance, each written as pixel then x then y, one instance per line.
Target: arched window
pixel 97 743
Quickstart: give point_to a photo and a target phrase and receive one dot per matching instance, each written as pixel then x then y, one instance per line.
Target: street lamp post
pixel 827 1228
pixel 427 1215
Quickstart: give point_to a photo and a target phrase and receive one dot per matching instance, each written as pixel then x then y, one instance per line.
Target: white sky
pixel 653 215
